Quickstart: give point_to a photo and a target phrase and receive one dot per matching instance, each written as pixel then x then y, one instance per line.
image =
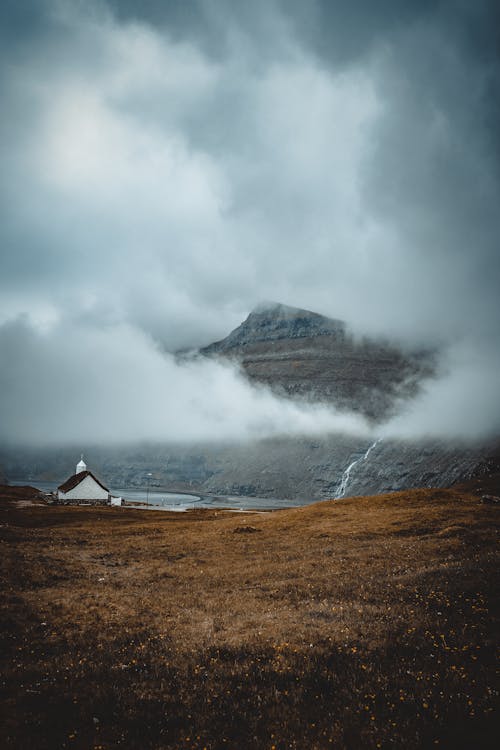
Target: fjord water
pixel 177 501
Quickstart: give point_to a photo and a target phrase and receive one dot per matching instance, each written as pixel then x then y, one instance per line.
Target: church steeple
pixel 81 465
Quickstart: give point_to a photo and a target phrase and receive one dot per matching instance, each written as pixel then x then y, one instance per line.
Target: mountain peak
pixel 269 307
pixel 272 321
pixel 278 310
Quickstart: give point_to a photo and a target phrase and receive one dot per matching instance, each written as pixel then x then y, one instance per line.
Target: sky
pixel 166 166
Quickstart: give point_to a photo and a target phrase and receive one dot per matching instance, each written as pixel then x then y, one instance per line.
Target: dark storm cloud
pixel 340 31
pixel 167 165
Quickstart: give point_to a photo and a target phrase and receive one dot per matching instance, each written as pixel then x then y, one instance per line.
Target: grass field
pixel 357 623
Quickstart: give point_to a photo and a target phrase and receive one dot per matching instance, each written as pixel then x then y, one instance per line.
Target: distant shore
pixel 179 500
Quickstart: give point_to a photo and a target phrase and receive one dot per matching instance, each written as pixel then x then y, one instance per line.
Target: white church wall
pixel 87 489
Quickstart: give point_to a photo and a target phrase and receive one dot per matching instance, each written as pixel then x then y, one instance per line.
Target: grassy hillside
pixel 360 623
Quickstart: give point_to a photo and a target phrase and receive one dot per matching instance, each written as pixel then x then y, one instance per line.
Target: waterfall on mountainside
pixel 347 473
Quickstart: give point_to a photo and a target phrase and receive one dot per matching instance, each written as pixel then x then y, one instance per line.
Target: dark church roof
pixel 73 481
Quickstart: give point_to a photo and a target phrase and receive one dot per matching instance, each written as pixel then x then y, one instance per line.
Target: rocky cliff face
pixel 299 469
pixel 301 354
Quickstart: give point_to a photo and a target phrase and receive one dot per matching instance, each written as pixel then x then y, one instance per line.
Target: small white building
pixel 83 486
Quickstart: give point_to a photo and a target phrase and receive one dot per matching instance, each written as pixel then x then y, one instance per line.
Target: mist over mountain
pixel 305 355
pixel 316 376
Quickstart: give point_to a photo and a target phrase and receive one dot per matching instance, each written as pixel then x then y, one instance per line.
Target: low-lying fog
pixel 114 384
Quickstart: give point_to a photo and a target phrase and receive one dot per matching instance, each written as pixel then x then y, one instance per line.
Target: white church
pixel 83 486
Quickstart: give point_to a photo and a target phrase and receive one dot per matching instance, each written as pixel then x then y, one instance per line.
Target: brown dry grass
pixel 358 623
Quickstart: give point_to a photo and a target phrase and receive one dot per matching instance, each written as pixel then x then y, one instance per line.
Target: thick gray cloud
pixel 167 165
pixel 113 385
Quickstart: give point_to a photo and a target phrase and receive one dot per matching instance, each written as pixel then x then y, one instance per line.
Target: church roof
pixel 75 480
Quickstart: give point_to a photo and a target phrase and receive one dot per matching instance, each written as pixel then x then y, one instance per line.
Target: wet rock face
pixel 303 355
pixel 302 469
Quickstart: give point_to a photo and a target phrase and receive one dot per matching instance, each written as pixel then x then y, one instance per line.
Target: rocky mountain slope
pixel 305 355
pixel 296 469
